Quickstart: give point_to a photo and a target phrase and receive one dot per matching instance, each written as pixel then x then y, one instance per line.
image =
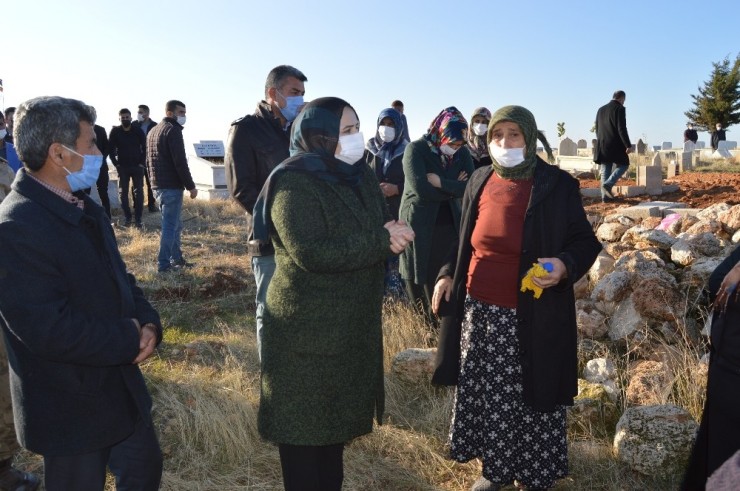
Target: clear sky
pixel 562 60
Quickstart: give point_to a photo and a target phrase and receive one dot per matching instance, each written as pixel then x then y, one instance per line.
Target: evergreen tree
pixel 719 100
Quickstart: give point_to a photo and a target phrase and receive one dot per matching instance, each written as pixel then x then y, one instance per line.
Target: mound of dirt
pixel 696 189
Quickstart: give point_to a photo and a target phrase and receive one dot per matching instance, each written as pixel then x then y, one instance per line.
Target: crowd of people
pixel 450 222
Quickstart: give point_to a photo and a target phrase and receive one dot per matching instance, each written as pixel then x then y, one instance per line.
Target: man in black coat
pixel 718 135
pixel 145 124
pixel 690 135
pixel 257 144
pixel 76 325
pixel 612 143
pixel 127 149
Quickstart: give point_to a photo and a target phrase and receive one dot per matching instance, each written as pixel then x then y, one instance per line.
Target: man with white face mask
pixel 718 135
pixel 257 143
pixel 612 143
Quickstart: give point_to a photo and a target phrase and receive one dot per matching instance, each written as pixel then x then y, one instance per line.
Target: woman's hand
pixel 443 288
pixel 728 288
pixel 401 235
pixel 434 180
pixel 559 271
pixel 388 189
pixel 462 176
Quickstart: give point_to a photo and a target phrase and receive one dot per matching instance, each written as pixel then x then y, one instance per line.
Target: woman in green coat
pixel 436 169
pixel 322 353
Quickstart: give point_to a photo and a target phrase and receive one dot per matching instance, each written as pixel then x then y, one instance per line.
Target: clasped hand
pixel 401 235
pixel 727 288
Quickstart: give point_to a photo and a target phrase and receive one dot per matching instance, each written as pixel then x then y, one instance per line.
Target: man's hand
pixel 628 150
pixel 193 193
pixel 147 342
pixel 728 289
pixel 401 235
pixel 434 180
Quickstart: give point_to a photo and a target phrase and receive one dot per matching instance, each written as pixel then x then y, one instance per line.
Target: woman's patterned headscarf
pixel 477 144
pixel 525 119
pixel 449 126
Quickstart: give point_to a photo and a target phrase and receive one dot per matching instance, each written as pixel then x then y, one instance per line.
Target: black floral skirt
pixel 490 420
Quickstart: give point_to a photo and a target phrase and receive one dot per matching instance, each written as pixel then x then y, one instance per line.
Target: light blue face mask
pixel 88 175
pixel 292 106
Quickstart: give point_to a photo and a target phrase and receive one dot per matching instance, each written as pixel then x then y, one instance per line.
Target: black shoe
pixel 607 200
pixel 182 264
pixel 139 225
pixel 607 191
pixel 15 480
pixel 127 223
pixel 153 209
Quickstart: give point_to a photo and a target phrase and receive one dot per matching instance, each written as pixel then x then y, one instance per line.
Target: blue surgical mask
pixel 292 106
pixel 88 175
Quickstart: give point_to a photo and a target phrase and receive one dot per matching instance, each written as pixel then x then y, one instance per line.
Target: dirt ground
pixel 696 189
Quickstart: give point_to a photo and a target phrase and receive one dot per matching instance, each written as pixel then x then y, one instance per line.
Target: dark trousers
pixel 136 463
pixel 102 186
pixel 151 202
pixel 309 468
pixel 134 174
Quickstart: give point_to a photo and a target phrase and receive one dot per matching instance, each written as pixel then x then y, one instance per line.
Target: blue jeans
pixel 263 268
pixel 609 178
pixel 170 205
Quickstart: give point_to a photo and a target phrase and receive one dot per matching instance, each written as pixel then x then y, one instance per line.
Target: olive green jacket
pixel 322 348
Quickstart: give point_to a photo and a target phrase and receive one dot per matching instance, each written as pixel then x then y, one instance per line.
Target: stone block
pixel 629 191
pixel 672 169
pixel 591 192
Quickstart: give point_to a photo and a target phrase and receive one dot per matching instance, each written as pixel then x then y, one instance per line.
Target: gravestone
pixel 686 161
pixel 689 146
pixel 641 147
pixel 672 169
pixel 657 162
pixel 582 143
pixel 657 148
pixel 207 169
pixel 651 177
pixel 666 146
pixel 567 147
pixel 633 148
pixel 731 145
pixel 700 145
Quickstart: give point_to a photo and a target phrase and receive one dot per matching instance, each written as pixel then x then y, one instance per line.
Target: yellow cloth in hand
pixel 527 283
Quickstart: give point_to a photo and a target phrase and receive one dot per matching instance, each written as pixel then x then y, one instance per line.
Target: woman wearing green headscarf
pixel 511 355
pixel 322 350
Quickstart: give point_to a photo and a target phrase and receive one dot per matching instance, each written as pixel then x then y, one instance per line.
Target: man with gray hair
pixel 257 144
pixel 75 323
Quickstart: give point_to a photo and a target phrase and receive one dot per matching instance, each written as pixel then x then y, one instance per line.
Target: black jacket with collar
pixel 256 145
pixel 67 305
pixel 127 148
pixel 555 225
pixel 166 162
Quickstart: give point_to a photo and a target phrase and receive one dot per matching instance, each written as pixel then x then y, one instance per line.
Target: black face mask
pixel 125 124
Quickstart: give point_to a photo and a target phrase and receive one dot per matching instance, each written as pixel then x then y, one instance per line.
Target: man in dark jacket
pixel 76 325
pixel 718 135
pixel 145 124
pixel 257 144
pixel 101 141
pixel 127 146
pixel 690 135
pixel 169 174
pixel 612 143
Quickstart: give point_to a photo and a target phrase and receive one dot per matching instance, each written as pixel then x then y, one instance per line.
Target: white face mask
pixel 3 132
pixel 506 157
pixel 448 150
pixel 387 133
pixel 140 118
pixel 353 147
pixel 181 120
pixel 480 129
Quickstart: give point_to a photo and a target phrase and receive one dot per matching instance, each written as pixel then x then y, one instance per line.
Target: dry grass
pixel 205 382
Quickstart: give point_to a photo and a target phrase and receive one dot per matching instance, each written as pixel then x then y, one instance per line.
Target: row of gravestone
pixel 568 147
